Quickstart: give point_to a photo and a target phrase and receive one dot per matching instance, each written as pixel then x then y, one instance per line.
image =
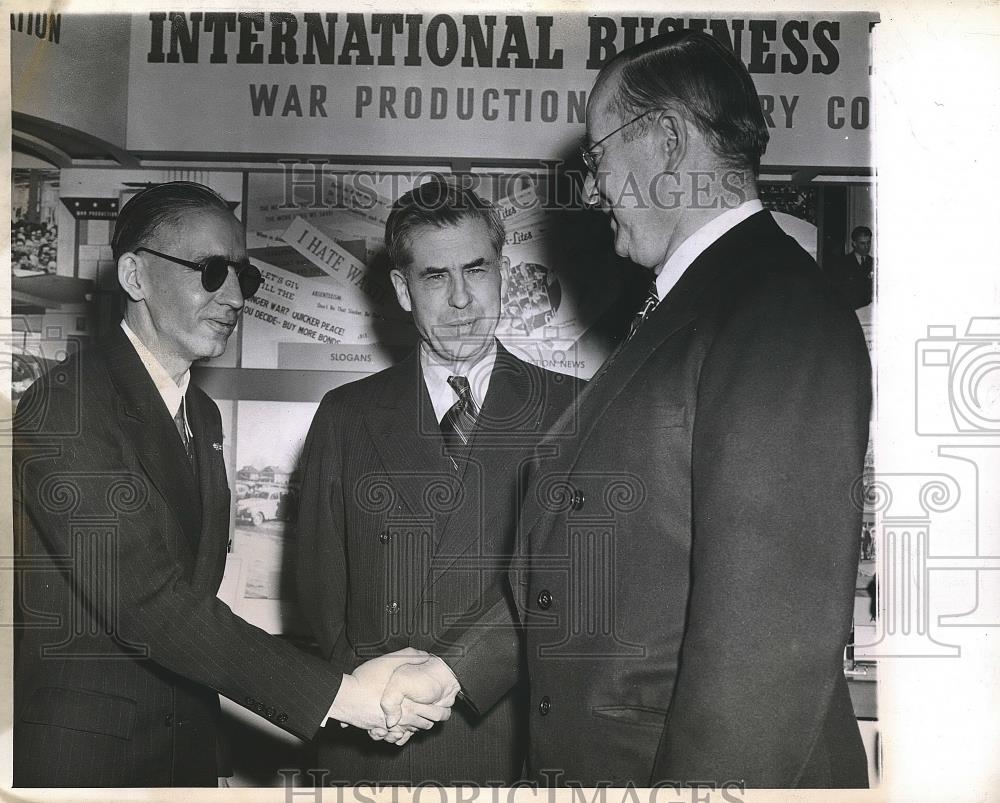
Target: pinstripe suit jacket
pixel 398 547
pixel 123 645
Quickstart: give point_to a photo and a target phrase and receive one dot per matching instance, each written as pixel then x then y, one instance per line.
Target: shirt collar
pixel 695 245
pixel 171 392
pixel 436 375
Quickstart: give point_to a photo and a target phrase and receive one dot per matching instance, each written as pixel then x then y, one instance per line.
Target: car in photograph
pixel 266 505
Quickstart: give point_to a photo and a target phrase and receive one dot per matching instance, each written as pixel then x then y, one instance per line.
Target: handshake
pixel 395 695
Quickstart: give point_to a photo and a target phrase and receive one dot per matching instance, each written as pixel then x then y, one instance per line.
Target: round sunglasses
pixel 215 269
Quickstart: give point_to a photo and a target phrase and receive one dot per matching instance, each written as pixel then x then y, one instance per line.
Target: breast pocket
pixel 631 715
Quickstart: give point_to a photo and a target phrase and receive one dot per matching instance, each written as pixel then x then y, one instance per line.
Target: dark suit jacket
pixel 852 281
pixel 124 644
pixel 694 547
pixel 397 548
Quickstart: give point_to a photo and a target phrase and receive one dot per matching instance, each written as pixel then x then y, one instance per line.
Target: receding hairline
pixel 612 102
pixel 177 220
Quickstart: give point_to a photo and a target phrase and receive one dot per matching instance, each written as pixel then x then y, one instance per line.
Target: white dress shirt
pixel 171 392
pixel 695 245
pixel 436 375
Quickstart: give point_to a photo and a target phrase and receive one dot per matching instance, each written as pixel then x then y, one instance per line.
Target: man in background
pixel 852 275
pixel 121 522
pixel 409 503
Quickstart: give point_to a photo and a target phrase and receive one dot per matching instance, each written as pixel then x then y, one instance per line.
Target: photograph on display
pixel 265 492
pixel 49 313
pixel 34 233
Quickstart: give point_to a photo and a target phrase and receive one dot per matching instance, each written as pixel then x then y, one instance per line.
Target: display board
pixel 469 86
pixel 326 313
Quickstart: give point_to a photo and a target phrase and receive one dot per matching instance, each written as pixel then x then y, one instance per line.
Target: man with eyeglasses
pixel 121 520
pixel 687 605
pixel 409 502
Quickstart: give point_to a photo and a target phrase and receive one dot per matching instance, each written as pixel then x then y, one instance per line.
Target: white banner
pixel 478 86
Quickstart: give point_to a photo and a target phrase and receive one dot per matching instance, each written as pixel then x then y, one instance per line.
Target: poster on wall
pixel 326 301
pixel 554 292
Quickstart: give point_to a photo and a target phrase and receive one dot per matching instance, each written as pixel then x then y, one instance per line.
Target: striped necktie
pixel 652 299
pixel 186 440
pixel 460 420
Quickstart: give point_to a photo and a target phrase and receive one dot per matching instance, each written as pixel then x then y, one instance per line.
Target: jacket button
pixel 384 537
pixel 392 607
pixel 168 720
pixel 544 599
pixel 577 500
pixel 269 712
pixel 544 706
pixel 281 718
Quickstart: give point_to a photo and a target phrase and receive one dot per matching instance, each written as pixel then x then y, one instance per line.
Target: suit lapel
pixel 150 431
pixel 213 486
pixel 405 432
pixel 512 407
pixel 678 311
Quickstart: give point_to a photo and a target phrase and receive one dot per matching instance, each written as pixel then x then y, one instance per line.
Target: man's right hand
pixel 411 692
pixel 358 701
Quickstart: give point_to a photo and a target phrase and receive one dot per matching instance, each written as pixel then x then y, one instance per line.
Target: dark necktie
pixel 460 420
pixel 652 299
pixel 182 431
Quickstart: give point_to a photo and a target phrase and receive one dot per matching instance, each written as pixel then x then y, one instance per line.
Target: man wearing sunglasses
pixel 122 518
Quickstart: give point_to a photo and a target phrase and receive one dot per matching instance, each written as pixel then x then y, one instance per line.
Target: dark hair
pixel 857 231
pixel 437 203
pixel 697 72
pixel 154 207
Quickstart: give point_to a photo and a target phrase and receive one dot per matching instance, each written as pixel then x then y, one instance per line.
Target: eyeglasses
pixel 588 154
pixel 214 271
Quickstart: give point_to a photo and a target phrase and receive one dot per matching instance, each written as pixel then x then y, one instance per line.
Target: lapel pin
pixel 217 447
